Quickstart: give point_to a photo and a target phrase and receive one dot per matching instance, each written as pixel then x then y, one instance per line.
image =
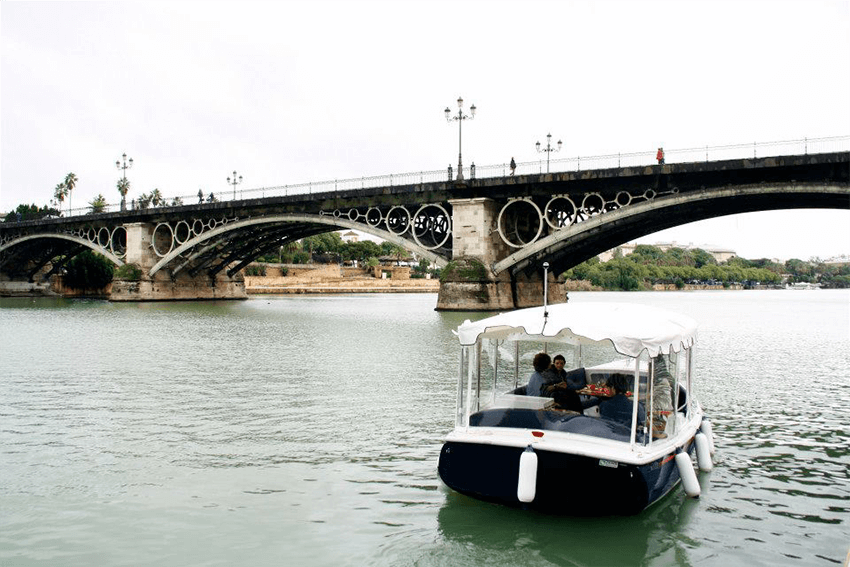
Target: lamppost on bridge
pixel 548 149
pixel 127 164
pixel 235 182
pixel 460 118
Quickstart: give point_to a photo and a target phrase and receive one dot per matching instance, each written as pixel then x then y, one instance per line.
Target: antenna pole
pixel 545 292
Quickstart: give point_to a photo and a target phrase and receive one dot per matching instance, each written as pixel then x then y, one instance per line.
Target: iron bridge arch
pixel 566 236
pixel 24 255
pixel 235 243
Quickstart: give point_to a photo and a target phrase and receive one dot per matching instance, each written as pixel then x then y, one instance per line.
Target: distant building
pixel 841 260
pixel 350 236
pixel 719 254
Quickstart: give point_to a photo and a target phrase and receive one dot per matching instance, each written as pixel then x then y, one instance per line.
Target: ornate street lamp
pixel 460 118
pixel 125 166
pixel 548 149
pixel 235 182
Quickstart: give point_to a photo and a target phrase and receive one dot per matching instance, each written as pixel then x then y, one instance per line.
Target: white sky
pixel 289 92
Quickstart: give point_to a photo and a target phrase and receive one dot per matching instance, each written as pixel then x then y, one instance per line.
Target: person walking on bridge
pixel 660 156
pixel 513 167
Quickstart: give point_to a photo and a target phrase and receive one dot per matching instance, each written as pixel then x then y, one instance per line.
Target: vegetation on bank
pixel 648 266
pixel 88 270
pixel 467 269
pixel 129 272
pixel 330 248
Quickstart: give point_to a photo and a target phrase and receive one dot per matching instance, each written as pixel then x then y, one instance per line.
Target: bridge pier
pixel 161 286
pixel 469 283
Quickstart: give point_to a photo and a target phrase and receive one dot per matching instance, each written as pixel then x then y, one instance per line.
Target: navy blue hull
pixel 566 484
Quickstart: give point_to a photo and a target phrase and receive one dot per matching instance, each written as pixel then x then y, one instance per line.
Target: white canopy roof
pixel 631 328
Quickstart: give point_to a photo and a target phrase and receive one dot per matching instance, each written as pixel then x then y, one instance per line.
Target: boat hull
pixel 566 483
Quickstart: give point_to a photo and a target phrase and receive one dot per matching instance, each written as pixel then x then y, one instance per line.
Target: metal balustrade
pixel 556 165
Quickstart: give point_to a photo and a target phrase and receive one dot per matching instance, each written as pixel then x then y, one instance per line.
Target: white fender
pixel 705 427
pixel 703 452
pixel 687 474
pixel 526 487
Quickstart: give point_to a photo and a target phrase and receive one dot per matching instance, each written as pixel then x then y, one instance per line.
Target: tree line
pixel 330 247
pixel 63 191
pixel 650 265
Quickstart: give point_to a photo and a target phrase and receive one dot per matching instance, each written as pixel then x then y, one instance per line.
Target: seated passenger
pixel 536 381
pixel 619 408
pixel 556 378
pixel 557 385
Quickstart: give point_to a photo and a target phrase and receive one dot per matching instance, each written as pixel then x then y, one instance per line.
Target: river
pixel 305 430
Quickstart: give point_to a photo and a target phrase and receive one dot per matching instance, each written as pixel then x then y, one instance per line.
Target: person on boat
pixel 562 385
pixel 619 408
pixel 555 375
pixel 536 381
pixel 662 402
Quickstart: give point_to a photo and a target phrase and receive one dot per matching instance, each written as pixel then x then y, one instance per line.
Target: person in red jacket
pixel 660 156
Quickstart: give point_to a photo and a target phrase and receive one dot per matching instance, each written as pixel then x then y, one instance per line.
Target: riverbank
pixel 584 285
pixel 279 285
pixel 333 279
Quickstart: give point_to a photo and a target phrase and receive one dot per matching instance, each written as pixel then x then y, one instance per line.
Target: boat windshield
pixel 586 389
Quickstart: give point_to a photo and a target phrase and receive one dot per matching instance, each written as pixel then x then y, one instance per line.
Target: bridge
pixel 491 232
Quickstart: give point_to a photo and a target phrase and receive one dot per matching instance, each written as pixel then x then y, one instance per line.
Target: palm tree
pixel 156 198
pixel 70 183
pixel 59 194
pixel 123 188
pixel 144 201
pixel 98 204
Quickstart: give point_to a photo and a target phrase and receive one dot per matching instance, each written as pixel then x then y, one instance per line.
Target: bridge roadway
pixel 510 225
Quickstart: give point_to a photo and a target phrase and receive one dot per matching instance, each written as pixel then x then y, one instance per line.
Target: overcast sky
pixel 289 92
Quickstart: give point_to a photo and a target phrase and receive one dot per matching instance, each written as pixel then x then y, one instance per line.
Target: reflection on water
pixel 306 430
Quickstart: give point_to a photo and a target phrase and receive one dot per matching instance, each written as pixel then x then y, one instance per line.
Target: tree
pixel 59 194
pixel 154 199
pixel 88 270
pixel 394 250
pixel 98 204
pixel 70 183
pixel 701 258
pixel 361 250
pixel 325 243
pixel 143 202
pixel 30 212
pixel 647 254
pixel 123 189
pixel 157 200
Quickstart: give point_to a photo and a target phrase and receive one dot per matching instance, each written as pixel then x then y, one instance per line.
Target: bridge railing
pixel 577 163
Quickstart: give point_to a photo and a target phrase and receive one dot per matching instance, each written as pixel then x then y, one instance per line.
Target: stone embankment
pixel 335 279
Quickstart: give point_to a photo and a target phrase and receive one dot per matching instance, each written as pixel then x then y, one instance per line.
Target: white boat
pixel 530 451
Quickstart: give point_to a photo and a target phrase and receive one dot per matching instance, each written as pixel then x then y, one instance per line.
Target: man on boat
pixel 562 385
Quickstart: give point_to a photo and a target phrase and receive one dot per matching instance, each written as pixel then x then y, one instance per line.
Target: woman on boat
pixel 619 408
pixel 536 381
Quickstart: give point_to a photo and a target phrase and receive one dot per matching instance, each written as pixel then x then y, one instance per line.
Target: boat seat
pixel 551 420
